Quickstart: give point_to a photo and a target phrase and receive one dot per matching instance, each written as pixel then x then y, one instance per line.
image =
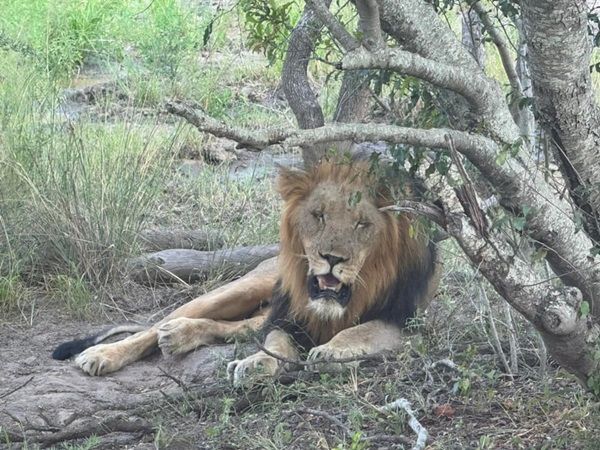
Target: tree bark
pixel 191 265
pixel 559 58
pixel 295 82
pixel 472 36
pixel 156 240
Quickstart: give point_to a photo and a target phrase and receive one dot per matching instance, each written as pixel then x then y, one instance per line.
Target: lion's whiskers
pixel 360 280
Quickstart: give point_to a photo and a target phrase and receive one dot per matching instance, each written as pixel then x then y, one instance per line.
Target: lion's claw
pixel 329 352
pixel 183 335
pixel 243 372
pixel 99 360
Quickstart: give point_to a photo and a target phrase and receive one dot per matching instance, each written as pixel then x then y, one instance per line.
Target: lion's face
pixel 331 227
pixel 336 225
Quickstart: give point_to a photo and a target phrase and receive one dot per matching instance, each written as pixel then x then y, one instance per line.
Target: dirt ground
pixel 186 402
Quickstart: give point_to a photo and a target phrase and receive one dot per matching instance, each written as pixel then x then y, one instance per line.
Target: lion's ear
pixel 292 183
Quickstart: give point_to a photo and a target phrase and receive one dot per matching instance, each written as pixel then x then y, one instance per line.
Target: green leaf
pixel 584 309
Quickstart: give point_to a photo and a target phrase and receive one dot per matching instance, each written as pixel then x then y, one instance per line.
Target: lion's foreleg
pixel 183 335
pixel 105 358
pixel 261 364
pixel 233 301
pixel 369 337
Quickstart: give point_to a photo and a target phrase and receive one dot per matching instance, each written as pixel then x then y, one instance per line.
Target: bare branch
pixel 483 95
pixel 427 210
pixel 503 49
pixel 415 24
pixel 337 30
pixel 415 425
pixel 549 219
pixel 368 11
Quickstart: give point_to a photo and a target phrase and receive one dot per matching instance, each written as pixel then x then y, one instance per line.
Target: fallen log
pixel 176 265
pixel 157 240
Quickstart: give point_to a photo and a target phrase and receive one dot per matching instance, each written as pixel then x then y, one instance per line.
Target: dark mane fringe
pixel 397 273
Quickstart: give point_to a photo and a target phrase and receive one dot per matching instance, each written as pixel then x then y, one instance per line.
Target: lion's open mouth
pixel 328 287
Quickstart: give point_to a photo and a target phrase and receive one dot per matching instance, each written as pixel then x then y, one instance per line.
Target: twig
pixel 388 437
pixel 177 381
pixel 444 362
pixel 6 394
pixel 427 210
pixel 512 339
pixel 348 431
pixel 331 418
pixel 414 424
pixel 494 332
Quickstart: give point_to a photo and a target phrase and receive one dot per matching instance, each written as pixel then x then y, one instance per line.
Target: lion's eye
pixel 319 216
pixel 361 224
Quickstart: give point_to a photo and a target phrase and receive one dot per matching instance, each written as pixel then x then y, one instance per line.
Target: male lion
pixel 348 277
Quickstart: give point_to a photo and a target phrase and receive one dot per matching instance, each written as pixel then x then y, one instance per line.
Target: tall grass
pixel 62 34
pixel 72 196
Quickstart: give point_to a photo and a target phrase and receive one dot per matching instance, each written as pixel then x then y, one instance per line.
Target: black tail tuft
pixel 68 349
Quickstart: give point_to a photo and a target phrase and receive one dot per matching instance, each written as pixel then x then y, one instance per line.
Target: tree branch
pixel 415 24
pixel 337 30
pixel 480 93
pixel 368 11
pixel 426 210
pixel 294 79
pixel 503 49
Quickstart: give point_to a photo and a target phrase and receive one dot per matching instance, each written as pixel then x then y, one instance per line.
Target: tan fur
pixel 233 301
pixel 391 249
pixel 374 256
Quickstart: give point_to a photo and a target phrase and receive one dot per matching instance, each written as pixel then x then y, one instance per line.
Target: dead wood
pixel 176 265
pixel 157 240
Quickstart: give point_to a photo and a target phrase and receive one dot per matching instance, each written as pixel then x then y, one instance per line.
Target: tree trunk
pixel 559 58
pixel 295 82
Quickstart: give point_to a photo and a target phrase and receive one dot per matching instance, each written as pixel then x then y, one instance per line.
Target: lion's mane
pixel 395 278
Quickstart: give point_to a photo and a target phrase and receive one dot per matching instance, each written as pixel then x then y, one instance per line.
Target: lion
pixel 349 276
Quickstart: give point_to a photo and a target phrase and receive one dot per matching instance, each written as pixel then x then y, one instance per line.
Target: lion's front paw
pixel 100 359
pixel 183 335
pixel 323 353
pixel 243 372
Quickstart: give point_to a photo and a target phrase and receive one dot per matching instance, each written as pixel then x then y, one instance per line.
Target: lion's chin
pixel 326 309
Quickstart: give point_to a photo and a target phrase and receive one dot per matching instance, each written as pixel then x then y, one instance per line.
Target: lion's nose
pixel 332 259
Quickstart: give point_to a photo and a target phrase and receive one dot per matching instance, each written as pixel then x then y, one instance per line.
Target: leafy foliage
pixel 269 24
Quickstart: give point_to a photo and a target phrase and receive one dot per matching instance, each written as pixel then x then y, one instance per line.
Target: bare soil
pixel 186 402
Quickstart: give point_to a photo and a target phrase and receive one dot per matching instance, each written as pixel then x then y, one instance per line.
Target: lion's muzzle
pixel 328 287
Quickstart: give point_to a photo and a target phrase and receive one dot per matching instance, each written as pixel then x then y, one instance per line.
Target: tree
pixel 483 142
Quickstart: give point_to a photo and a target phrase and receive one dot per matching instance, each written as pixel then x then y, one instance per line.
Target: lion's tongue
pixel 328 282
